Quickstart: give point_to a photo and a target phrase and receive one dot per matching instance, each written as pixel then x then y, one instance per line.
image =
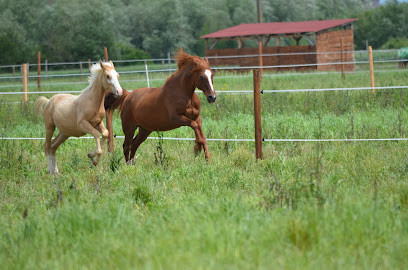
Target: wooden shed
pixel 329 42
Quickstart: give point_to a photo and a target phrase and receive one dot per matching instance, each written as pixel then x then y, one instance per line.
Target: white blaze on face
pixel 208 74
pixel 115 82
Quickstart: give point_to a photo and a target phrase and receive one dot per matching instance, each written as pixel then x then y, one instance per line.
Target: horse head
pixel 111 78
pixel 205 82
pixel 202 73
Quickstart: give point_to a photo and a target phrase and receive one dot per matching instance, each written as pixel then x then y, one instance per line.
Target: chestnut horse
pixel 170 106
pixel 79 115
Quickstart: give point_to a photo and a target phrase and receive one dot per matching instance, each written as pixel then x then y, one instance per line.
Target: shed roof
pixel 278 28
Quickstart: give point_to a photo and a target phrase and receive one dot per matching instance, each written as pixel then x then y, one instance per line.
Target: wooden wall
pixel 325 42
pixel 267 60
pixel 331 42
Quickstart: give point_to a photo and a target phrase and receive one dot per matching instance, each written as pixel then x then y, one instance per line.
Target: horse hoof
pixel 56 173
pixel 131 162
pixel 91 154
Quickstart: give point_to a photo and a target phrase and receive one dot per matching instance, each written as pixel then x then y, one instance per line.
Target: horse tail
pixel 111 104
pixel 40 104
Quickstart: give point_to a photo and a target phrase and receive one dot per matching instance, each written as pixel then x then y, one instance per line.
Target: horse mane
pixel 95 70
pixel 184 60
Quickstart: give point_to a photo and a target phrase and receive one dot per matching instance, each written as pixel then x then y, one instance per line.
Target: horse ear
pixel 110 62
pixel 206 60
pixel 101 63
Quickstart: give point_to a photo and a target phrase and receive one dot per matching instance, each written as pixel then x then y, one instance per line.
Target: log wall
pixel 331 42
pixel 267 60
pixel 325 42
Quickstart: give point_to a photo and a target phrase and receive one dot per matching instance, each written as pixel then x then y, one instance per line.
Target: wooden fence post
pixel 257 114
pixel 25 82
pixel 89 64
pixel 111 147
pixel 39 70
pixel 343 67
pixel 371 62
pixel 106 53
pixel 260 54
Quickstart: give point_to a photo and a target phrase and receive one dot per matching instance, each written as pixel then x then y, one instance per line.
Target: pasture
pixel 308 205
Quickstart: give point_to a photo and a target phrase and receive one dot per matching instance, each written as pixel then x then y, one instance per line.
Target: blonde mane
pixel 95 71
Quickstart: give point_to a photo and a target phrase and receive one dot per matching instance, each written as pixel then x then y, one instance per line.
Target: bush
pixel 127 52
pixel 395 43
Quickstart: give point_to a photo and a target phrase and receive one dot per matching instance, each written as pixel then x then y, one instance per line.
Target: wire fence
pixel 381 56
pixel 239 91
pixel 169 62
pixel 229 140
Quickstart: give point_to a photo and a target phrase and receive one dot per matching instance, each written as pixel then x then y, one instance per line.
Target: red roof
pixel 258 29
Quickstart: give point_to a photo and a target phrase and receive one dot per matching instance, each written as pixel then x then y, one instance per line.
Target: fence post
pixel 105 50
pixel 371 62
pixel 343 67
pixel 169 60
pixel 24 67
pixel 46 69
pixel 89 64
pixel 111 147
pixel 39 70
pixel 80 68
pixel 257 114
pixel 260 54
pixel 147 74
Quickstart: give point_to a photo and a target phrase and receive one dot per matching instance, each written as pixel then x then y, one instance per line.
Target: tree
pixel 19 30
pixel 378 25
pixel 74 30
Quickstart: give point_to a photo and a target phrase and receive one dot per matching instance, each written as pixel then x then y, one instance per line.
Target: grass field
pixel 337 205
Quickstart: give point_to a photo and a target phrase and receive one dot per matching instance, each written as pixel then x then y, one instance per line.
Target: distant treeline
pixel 77 30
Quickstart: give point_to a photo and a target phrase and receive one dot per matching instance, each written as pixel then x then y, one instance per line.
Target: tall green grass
pixel 340 205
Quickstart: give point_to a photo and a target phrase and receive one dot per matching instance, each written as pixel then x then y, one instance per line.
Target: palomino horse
pixel 173 105
pixel 79 115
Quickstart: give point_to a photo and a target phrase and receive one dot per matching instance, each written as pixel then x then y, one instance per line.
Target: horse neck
pixel 96 93
pixel 182 80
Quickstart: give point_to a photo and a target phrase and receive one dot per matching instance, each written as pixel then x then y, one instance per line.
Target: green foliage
pixel 160 157
pixel 128 52
pixel 395 43
pixel 379 25
pixel 78 30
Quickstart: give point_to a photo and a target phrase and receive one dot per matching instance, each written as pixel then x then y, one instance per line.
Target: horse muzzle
pixel 118 92
pixel 211 98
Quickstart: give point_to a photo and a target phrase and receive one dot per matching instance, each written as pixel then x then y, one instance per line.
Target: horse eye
pixel 108 76
pixel 201 78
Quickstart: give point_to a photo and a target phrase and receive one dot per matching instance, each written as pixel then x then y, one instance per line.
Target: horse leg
pixel 137 141
pixel 197 127
pixel 49 131
pixel 86 127
pixel 109 116
pixel 56 142
pixel 129 129
pixel 105 133
pixel 201 142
